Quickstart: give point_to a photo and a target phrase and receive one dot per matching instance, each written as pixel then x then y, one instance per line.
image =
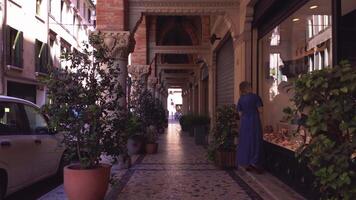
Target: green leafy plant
pixel 151 135
pixel 200 120
pixel 84 103
pixel 224 131
pixel 325 101
pixel 150 112
pixel 186 122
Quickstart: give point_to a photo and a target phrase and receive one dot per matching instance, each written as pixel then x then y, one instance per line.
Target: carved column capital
pixel 152 82
pixel 120 43
pixel 137 71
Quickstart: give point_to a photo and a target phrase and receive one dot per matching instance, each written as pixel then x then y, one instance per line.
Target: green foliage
pixel 225 130
pixel 325 100
pixel 84 103
pixel 189 121
pixel 186 122
pixel 150 112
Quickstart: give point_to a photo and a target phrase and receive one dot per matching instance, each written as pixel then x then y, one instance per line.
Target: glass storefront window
pixel 348 30
pixel 300 44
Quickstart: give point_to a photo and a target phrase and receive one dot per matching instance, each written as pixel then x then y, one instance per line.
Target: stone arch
pixel 187 28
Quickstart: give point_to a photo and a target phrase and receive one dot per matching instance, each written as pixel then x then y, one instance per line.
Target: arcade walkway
pixel 180 170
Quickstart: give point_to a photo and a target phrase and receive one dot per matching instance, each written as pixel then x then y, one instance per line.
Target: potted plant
pixel 84 105
pixel 136 138
pixel 151 140
pixel 201 128
pixel 149 117
pixel 325 101
pixel 222 149
pixel 160 117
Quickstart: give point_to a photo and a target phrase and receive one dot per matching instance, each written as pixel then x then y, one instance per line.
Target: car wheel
pixel 61 166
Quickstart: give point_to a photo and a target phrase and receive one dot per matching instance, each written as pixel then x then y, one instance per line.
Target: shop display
pixel 287 138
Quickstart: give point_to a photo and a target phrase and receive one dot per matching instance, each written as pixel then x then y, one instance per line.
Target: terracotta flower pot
pixel 86 184
pixel 151 148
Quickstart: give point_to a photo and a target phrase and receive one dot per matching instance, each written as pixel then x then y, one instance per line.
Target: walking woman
pixel 250 137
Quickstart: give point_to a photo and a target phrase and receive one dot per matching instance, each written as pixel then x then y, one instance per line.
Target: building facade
pixel 34 33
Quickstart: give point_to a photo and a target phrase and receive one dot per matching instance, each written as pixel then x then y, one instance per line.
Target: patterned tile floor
pixel 180 170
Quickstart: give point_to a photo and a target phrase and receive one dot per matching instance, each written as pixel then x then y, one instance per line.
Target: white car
pixel 29 151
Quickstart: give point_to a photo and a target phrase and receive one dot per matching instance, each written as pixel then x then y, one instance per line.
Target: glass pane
pixel 348 30
pixel 11 121
pixel 300 44
pixel 37 123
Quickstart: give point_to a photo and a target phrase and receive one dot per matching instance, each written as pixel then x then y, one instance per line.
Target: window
pixel 38 7
pixel 41 56
pixel 36 121
pixel 11 119
pixel 52 53
pixel 14 47
pixel 301 43
pixel 348 31
pixel 62 10
pixel 89 15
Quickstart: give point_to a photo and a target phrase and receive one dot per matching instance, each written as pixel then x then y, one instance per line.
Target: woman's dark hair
pixel 245 87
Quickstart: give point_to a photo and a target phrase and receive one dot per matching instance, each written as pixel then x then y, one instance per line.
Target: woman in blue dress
pixel 250 136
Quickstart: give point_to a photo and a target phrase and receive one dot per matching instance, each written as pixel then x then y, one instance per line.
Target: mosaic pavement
pixel 180 170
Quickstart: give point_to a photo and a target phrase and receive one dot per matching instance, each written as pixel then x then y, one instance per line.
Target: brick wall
pixel 139 56
pixel 110 15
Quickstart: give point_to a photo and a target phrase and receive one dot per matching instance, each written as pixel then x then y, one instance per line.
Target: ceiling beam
pixel 201 49
pixel 177 66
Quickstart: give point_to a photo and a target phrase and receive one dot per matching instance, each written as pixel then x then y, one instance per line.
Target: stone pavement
pixel 180 170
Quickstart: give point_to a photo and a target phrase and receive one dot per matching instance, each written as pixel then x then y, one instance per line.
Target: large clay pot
pixel 86 184
pixel 151 148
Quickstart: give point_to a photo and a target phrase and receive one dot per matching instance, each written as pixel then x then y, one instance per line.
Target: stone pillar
pixel 139 73
pixel 121 43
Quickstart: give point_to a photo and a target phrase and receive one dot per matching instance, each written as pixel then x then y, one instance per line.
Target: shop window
pixel 301 43
pixel 14 47
pixel 275 38
pixel 41 56
pixel 348 31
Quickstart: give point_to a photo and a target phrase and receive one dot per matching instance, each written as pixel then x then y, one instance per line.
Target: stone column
pixel 121 44
pixel 139 73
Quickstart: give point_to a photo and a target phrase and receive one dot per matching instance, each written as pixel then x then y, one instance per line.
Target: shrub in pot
pixel 84 105
pixel 222 149
pixel 201 128
pixel 136 139
pixel 150 116
pixel 151 140
pixel 325 100
pixel 160 117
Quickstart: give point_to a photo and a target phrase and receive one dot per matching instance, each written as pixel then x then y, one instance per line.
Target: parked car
pixel 29 151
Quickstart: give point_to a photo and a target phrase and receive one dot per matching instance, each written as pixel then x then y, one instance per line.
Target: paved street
pixel 180 170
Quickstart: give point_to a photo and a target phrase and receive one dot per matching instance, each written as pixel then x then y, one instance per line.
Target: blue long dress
pixel 250 136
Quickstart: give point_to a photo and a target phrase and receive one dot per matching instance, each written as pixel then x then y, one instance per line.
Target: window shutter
pixel 37 61
pixel 7 45
pixel 20 46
